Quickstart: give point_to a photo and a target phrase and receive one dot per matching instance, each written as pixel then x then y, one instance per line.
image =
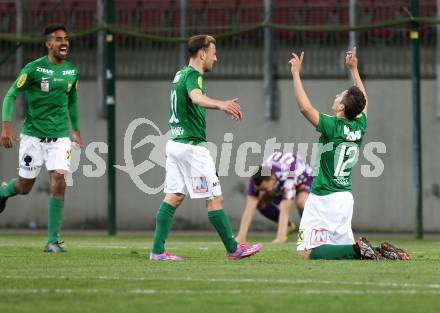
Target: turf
pixel 112 274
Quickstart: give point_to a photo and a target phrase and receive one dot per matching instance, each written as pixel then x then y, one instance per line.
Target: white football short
pixel 34 152
pixel 326 220
pixel 190 170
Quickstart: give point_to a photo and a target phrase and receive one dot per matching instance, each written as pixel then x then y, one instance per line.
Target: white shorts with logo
pixel 33 153
pixel 190 170
pixel 326 220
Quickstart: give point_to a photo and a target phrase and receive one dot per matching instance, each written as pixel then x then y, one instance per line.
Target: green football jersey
pixel 50 91
pixel 339 150
pixel 187 119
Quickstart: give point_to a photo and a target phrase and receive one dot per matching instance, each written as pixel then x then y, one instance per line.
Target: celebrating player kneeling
pixel 325 229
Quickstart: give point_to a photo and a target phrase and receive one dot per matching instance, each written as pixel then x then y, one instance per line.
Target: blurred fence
pixel 385 51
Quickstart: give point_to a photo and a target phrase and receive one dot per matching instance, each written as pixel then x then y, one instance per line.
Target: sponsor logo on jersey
pixel 177 131
pixel 69 72
pixel 200 82
pixel 58 79
pixel 45 84
pixel 300 239
pixel 352 136
pixel 319 236
pixel 342 181
pixel 21 80
pixel 45 71
pixel 200 185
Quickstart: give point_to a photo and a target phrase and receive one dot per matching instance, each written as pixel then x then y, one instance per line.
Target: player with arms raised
pixel 50 84
pixel 325 230
pixel 189 166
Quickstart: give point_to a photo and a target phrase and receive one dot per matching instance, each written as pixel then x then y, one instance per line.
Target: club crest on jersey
pixel 21 80
pixel 200 185
pixel 44 71
pixel 319 236
pixel 45 84
pixel 200 81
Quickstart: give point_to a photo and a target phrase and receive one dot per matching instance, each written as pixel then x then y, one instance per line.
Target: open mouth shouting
pixel 63 51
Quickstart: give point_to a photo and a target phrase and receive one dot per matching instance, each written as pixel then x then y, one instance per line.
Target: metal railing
pixel 384 52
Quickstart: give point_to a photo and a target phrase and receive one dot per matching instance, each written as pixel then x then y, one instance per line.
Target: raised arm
pixel 304 104
pixel 230 107
pixel 351 61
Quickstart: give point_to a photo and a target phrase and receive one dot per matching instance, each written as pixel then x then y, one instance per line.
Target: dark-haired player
pixel 49 84
pixel 189 166
pixel 325 230
pixel 283 179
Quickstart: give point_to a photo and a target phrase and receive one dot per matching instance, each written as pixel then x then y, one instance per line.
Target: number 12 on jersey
pixel 349 152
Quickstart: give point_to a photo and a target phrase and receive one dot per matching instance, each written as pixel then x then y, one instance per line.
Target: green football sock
pixel 221 223
pixel 334 252
pixel 55 217
pixel 8 190
pixel 164 220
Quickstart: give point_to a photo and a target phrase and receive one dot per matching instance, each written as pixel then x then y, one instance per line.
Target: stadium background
pixel 145 67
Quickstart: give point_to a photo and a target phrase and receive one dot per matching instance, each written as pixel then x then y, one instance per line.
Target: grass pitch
pixel 112 274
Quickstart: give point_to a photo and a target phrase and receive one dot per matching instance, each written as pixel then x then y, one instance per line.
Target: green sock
pixel 55 217
pixel 221 223
pixel 333 252
pixel 8 190
pixel 164 220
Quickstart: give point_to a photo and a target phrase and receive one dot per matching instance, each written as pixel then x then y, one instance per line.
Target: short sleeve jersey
pixel 339 150
pixel 187 119
pixel 49 88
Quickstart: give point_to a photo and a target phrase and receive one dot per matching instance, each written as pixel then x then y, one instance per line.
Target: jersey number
pixel 173 101
pixel 341 166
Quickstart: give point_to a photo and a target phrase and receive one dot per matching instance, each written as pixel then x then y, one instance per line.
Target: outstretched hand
pixel 232 108
pixel 351 59
pixel 296 63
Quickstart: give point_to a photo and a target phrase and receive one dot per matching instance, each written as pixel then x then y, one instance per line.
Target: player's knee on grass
pixel 304 254
pixel 24 185
pixel 57 184
pixel 174 199
pixel 215 203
